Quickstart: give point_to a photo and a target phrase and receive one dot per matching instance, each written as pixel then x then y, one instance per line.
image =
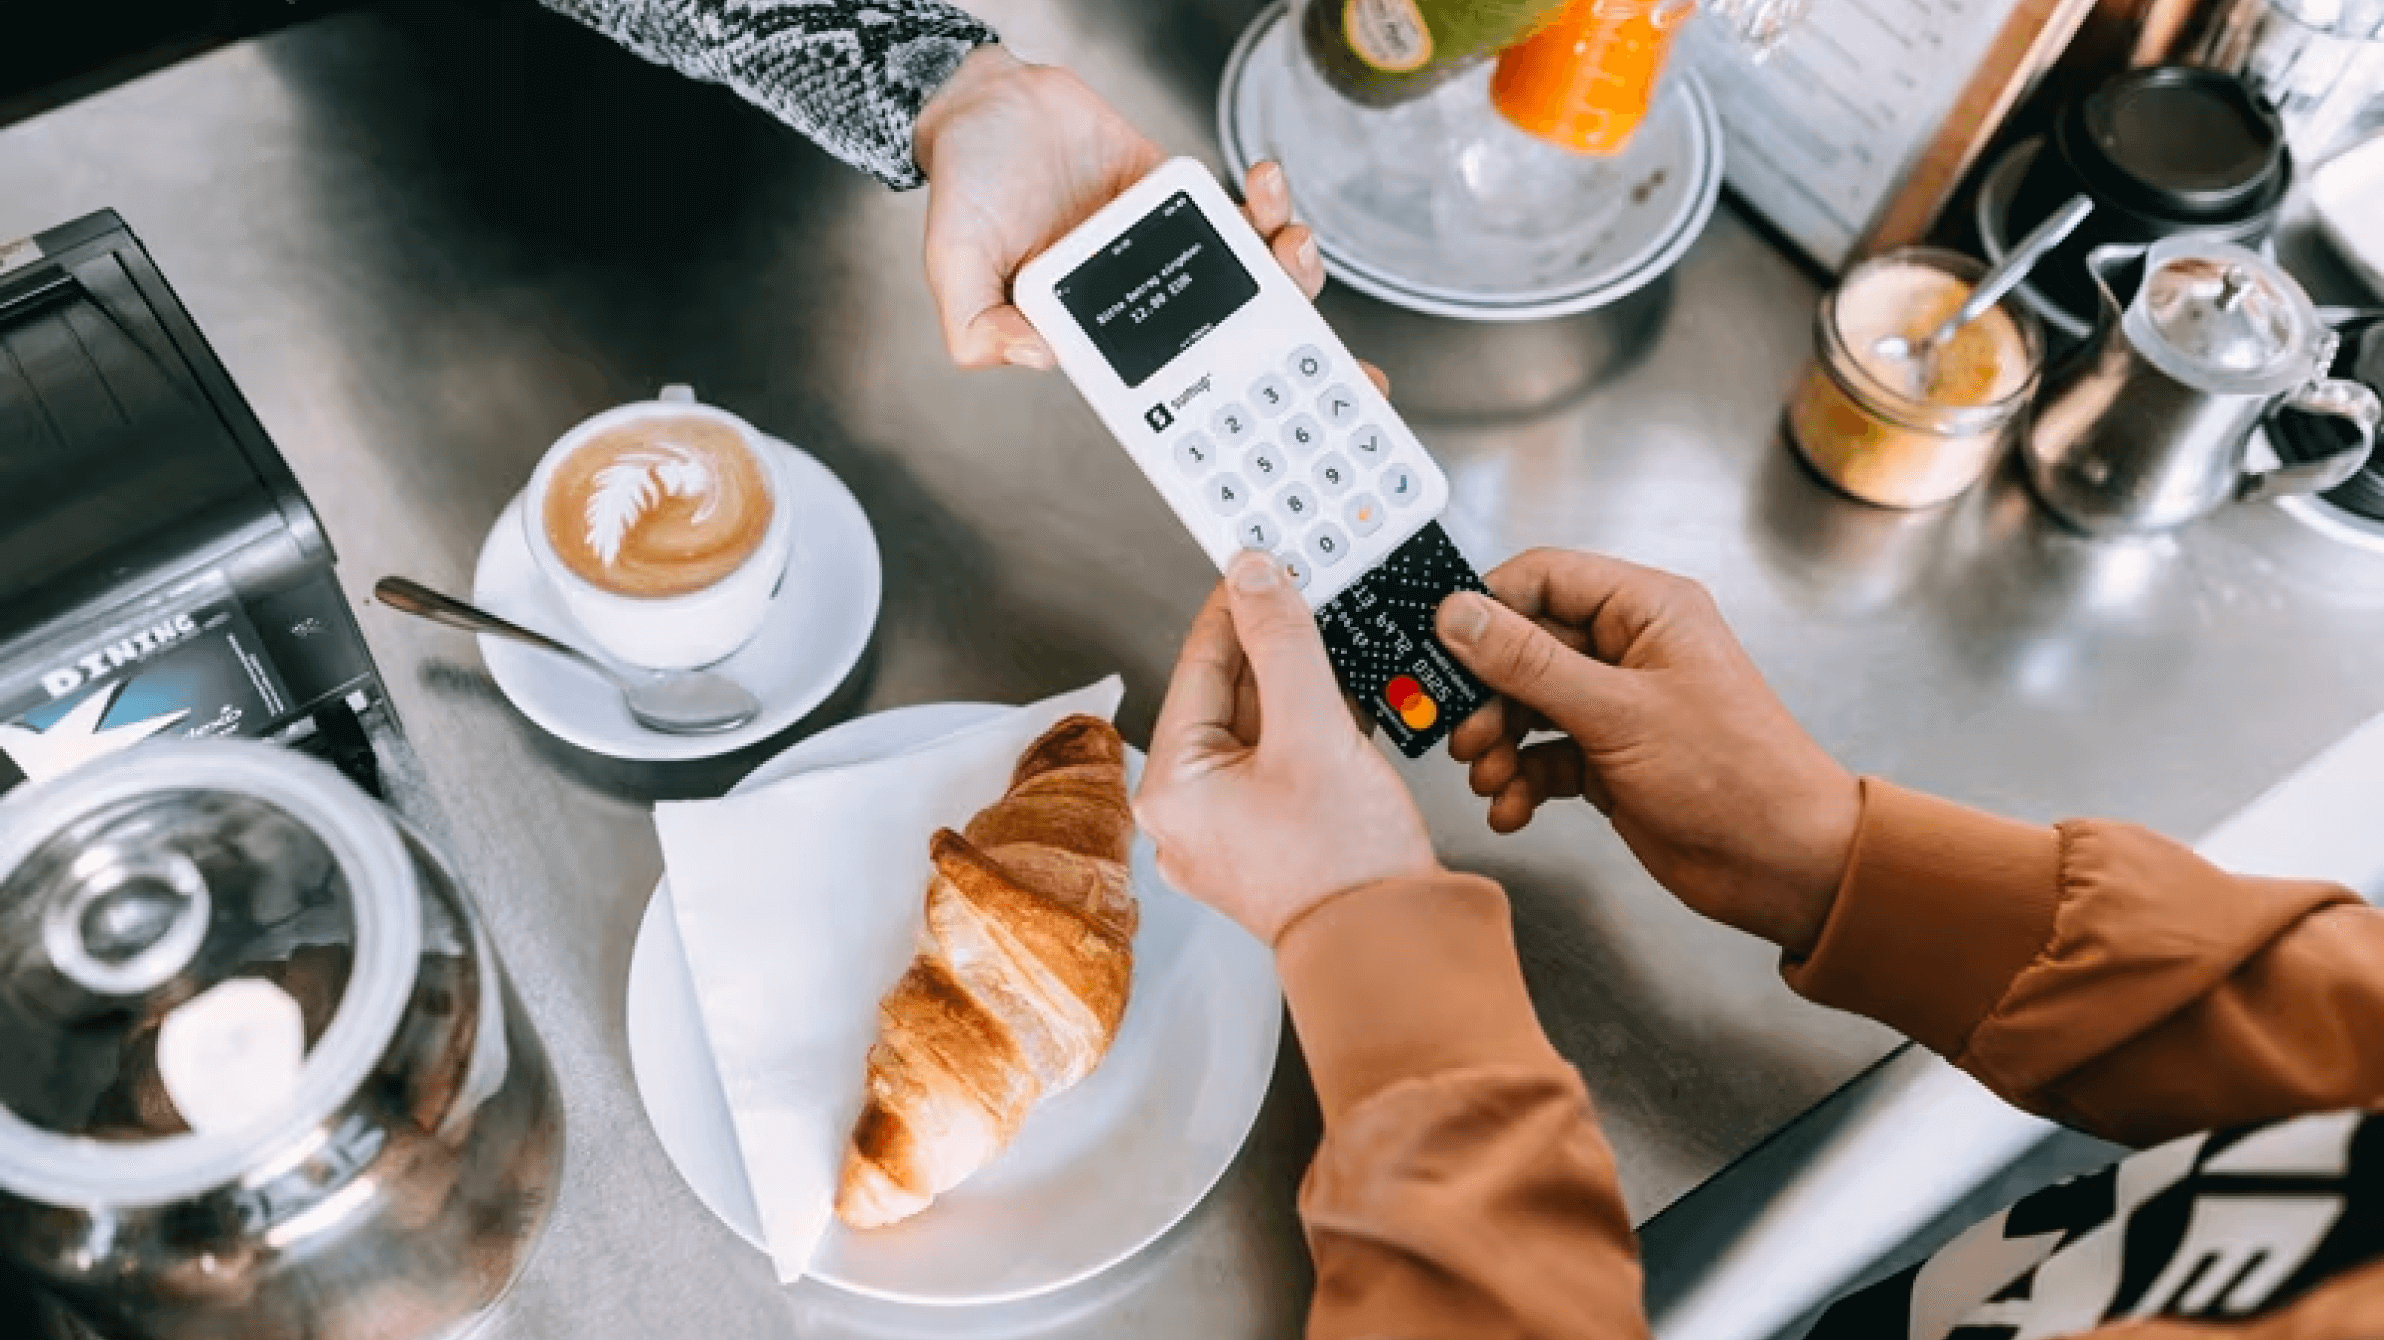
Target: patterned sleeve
pixel 851 74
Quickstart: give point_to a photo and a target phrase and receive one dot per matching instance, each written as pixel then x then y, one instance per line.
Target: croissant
pixel 1020 982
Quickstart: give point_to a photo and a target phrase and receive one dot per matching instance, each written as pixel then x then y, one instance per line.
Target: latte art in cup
pixel 658 506
pixel 664 527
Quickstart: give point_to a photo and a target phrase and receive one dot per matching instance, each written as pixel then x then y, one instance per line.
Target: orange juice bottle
pixel 1584 80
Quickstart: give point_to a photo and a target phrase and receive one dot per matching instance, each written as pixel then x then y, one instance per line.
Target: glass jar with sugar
pixel 1903 432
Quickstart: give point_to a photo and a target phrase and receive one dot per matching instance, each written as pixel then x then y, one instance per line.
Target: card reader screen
pixel 1158 288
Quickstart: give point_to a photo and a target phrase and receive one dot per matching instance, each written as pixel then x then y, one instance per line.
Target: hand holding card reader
pixel 1260 429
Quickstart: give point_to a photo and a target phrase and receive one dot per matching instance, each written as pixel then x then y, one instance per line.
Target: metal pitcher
pixel 2149 426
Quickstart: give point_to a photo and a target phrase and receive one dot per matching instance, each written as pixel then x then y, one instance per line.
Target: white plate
pixel 818 626
pixel 1094 1176
pixel 1509 229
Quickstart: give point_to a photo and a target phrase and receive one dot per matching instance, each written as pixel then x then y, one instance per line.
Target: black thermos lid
pixel 2178 142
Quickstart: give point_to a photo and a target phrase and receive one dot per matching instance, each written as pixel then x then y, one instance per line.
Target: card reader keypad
pixel 1292 469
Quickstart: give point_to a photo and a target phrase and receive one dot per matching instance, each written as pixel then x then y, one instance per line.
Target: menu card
pixel 1823 133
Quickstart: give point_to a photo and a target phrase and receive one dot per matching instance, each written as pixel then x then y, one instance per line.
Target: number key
pixel 1233 422
pixel 1264 467
pixel 1297 505
pixel 1303 434
pixel 1340 406
pixel 1328 545
pixel 1257 533
pixel 1194 454
pixel 1228 494
pixel 1332 474
pixel 1271 395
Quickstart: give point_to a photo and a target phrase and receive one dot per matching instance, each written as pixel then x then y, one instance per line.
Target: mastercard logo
pixel 1408 699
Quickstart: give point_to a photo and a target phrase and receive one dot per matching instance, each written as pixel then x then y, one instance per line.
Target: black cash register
pixel 161 574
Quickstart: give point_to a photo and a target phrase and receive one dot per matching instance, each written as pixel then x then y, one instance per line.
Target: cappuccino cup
pixel 663 525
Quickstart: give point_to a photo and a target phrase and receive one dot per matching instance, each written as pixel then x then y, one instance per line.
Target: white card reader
pixel 1226 386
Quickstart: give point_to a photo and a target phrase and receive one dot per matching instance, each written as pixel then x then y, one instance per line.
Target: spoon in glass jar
pixel 1921 359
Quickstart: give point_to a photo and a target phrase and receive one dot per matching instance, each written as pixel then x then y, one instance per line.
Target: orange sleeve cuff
pixel 1940 908
pixel 1406 978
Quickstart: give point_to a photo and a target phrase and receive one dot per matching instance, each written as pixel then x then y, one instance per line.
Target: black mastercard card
pixel 1380 636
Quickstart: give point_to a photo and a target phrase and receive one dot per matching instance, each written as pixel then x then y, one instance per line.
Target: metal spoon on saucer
pixel 675 702
pixel 2006 275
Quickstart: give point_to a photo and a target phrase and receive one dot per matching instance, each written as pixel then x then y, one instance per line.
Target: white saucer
pixel 1095 1175
pixel 1505 228
pixel 818 626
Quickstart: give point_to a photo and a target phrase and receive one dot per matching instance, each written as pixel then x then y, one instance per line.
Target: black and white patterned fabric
pixel 851 74
pixel 2214 1227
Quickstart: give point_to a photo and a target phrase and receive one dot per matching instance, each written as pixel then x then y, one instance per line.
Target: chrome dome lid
pixel 205 948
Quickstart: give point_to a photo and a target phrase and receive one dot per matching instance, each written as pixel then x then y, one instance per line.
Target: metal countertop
pixel 429 237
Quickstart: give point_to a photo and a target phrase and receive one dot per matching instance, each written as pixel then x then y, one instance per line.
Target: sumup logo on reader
pixel 1161 416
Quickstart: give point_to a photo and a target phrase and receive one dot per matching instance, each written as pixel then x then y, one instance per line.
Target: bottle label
pixel 1389 35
